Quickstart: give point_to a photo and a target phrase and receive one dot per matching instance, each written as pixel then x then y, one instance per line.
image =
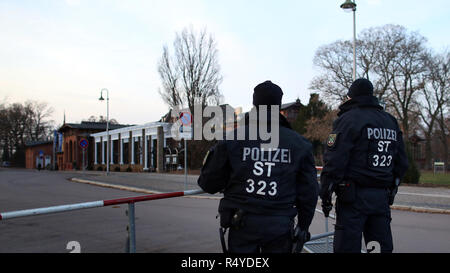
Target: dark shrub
pixel 412 175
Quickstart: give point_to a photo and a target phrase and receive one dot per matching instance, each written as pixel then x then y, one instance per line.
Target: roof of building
pixel 150 127
pixel 39 142
pixel 290 104
pixel 89 125
pixel 168 117
pixel 416 138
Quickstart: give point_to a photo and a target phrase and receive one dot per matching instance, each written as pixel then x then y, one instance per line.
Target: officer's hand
pixel 326 192
pixel 327 205
pixel 303 237
pixel 392 193
pixel 307 236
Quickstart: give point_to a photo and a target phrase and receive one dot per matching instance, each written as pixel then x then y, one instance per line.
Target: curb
pixel 416 209
pixel 133 189
pixel 420 209
pixel 140 190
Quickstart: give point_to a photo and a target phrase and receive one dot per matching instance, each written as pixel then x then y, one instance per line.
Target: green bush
pixel 117 169
pixel 412 175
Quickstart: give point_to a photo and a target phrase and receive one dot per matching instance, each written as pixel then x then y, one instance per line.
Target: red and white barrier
pixel 95 204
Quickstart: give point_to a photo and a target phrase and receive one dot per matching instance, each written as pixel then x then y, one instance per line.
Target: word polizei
pixel 381 133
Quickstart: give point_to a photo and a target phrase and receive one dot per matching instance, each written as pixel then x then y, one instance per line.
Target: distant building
pixel 150 147
pixel 438 150
pixel 132 148
pixel 290 110
pixel 71 156
pixel 418 150
pixel 39 152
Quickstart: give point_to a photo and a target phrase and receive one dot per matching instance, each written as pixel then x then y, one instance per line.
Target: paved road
pixel 423 197
pixel 171 225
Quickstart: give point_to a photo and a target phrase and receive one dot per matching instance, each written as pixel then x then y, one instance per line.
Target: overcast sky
pixel 64 52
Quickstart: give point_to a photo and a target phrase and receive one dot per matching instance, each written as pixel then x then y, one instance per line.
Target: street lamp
pixel 107 126
pixel 349 6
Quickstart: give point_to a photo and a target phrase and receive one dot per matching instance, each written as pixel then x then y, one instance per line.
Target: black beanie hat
pixel 360 87
pixel 267 93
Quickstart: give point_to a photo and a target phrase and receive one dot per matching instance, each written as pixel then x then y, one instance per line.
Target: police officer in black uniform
pixel 364 161
pixel 263 189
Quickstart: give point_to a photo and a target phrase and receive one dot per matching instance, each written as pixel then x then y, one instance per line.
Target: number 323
pixel 262 187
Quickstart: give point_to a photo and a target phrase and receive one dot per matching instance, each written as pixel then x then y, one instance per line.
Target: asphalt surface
pixel 421 197
pixel 176 225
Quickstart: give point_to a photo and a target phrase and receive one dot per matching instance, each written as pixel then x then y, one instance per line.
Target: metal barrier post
pixel 326 231
pixel 131 228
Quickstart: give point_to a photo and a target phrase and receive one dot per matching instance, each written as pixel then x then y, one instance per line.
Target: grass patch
pixel 429 178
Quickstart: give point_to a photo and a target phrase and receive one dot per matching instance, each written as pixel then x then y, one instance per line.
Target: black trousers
pixel 262 234
pixel 368 215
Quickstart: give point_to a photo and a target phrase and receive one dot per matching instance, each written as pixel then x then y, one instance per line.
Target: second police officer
pixel 263 189
pixel 364 161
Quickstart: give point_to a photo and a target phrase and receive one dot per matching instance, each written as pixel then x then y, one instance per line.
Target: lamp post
pixel 349 6
pixel 107 126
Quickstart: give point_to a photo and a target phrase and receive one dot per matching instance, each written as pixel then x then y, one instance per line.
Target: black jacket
pixel 277 182
pixel 366 147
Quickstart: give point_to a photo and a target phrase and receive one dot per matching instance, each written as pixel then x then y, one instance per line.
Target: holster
pixel 222 232
pixel 237 221
pixel 233 218
pixel 229 218
pixel 393 191
pixel 225 218
pixel 346 192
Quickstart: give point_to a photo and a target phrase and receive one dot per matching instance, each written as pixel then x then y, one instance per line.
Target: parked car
pixel 6 164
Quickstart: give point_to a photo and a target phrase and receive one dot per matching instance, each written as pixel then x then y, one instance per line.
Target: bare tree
pixel 171 92
pixel 377 49
pixel 17 120
pixel 440 81
pixel 5 128
pixel 434 96
pixel 192 76
pixel 39 125
pixel 20 123
pixel 335 60
pixel 390 56
pixel 407 71
pixel 101 119
pixel 374 55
